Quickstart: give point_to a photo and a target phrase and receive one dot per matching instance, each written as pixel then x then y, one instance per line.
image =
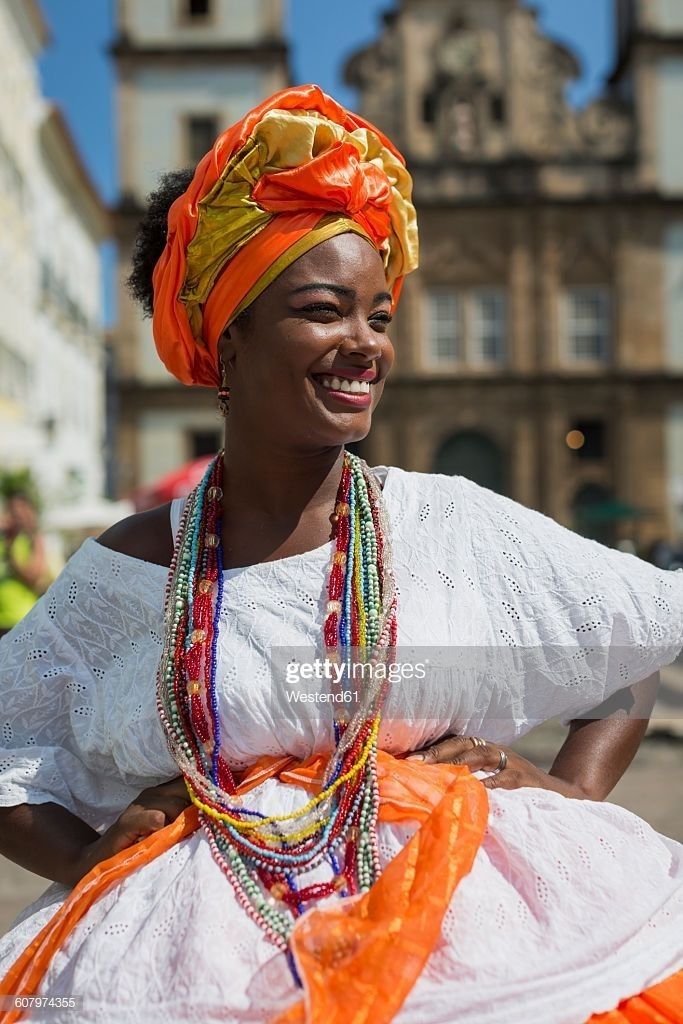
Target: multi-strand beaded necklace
pixel 264 856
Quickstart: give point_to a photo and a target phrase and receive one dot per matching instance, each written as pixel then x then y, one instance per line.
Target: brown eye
pixel 381 318
pixel 318 307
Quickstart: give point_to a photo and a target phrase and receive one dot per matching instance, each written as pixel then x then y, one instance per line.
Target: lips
pixel 369 375
pixel 358 399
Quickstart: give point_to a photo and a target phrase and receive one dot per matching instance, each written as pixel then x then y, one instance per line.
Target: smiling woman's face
pixel 325 316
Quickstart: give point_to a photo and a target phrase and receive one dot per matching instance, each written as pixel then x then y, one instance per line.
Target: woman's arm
pixel 46 839
pixel 54 843
pixel 597 751
pixel 592 759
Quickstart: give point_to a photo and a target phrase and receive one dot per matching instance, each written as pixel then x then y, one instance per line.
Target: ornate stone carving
pixel 479 104
pixel 458 89
pixel 606 128
pixel 459 54
pixel 458 124
pixel 541 69
pixel 456 256
pixel 588 252
pixel 375 71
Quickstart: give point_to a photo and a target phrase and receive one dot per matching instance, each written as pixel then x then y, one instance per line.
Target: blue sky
pixel 77 72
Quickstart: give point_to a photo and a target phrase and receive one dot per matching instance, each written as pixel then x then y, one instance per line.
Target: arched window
pixel 474 455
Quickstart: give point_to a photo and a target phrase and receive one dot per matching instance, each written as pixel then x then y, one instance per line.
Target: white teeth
pixel 356 387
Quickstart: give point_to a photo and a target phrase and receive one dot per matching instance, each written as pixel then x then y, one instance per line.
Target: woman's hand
pixel 151 810
pixel 487 757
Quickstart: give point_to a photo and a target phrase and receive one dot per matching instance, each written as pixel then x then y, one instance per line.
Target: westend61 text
pixel 323 698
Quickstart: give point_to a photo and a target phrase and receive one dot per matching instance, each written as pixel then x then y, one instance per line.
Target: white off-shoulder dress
pixel 571 905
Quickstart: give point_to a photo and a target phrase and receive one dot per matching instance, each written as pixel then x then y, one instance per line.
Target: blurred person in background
pixel 24 563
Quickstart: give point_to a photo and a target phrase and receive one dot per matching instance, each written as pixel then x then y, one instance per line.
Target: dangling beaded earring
pixel 223 394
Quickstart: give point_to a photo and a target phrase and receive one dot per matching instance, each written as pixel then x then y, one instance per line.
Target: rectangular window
pixel 201 132
pixel 443 326
pixel 588 324
pixel 498 109
pixel 198 8
pixel 487 326
pixel 203 442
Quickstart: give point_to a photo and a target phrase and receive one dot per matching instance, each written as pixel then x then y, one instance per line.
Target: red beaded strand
pixel 193 687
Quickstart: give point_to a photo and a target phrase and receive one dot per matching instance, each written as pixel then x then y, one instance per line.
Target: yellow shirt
pixel 16 598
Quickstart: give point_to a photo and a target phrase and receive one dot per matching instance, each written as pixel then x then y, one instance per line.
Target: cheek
pixel 302 346
pixel 278 373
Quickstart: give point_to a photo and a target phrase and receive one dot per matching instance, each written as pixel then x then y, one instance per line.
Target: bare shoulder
pixel 145 535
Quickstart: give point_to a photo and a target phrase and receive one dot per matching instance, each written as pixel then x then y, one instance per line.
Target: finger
pixel 150 820
pixel 169 809
pixel 507 779
pixel 432 754
pixel 134 827
pixel 477 759
pixel 141 821
pixel 159 822
pixel 173 808
pixel 452 750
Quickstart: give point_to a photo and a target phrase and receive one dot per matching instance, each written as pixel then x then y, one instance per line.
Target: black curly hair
pixel 150 239
pixel 151 235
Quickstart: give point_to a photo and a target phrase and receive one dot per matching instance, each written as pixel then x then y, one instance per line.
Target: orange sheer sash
pixel 363 952
pixel 659 1004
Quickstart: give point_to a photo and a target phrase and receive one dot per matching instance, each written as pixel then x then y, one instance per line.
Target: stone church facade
pixel 539 347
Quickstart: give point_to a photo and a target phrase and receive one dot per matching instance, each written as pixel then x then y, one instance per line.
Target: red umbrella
pixel 176 484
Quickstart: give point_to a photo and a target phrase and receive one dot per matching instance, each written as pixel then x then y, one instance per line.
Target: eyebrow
pixel 339 289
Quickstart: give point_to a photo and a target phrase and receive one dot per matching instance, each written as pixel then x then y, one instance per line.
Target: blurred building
pixel 186 70
pixel 540 345
pixel 52 222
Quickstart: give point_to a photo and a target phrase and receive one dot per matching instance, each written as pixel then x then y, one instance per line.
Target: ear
pixel 226 348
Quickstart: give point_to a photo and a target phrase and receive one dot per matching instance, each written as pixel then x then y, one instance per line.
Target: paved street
pixel 650 788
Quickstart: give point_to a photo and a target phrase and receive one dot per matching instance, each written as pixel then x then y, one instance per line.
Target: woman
pixel 302 868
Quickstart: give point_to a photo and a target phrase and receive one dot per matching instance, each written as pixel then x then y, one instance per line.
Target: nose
pixel 365 340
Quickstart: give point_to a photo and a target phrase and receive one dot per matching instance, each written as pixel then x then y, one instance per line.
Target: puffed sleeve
pixel 573 621
pixel 78 722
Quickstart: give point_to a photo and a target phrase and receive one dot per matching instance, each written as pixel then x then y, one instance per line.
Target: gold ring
pixel 477 741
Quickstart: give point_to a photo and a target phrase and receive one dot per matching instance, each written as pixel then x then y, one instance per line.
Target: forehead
pixel 346 259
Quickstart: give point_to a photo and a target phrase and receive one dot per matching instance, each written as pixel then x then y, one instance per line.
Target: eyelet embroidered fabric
pixel 571 905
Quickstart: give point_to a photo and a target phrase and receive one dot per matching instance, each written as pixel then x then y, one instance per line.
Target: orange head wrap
pixel 294 171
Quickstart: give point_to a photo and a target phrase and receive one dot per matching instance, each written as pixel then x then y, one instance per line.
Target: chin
pixel 343 436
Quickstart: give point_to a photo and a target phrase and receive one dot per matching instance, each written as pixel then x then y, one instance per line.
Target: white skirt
pixel 570 907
